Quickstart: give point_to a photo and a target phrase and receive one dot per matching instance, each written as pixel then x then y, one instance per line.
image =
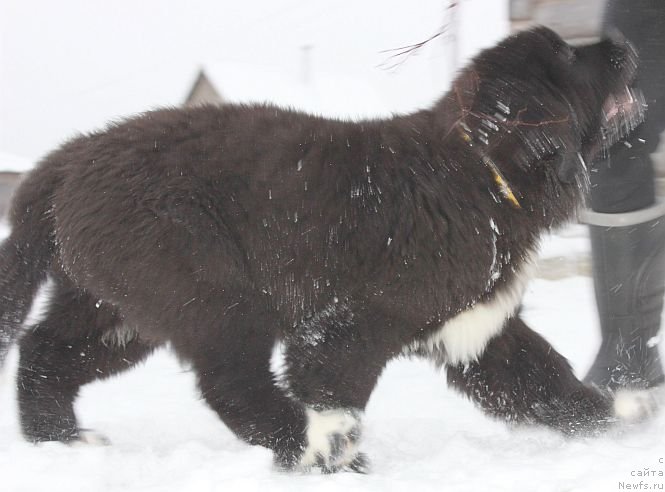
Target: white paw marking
pixel 635 405
pixel 465 336
pixel 90 438
pixel 324 429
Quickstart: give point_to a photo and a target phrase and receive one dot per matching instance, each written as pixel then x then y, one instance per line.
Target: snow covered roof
pixel 13 163
pixel 335 95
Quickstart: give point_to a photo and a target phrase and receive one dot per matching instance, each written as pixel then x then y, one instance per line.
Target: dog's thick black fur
pixel 225 230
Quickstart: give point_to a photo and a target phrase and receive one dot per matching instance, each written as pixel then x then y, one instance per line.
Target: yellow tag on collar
pixel 501 182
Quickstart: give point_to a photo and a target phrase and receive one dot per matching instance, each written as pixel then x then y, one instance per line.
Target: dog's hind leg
pixel 76 342
pixel 228 336
pixel 519 377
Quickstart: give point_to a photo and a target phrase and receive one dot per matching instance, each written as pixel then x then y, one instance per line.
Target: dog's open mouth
pixel 622 112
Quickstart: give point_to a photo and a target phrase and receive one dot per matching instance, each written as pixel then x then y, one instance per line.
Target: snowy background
pixel 419 435
pixel 69 66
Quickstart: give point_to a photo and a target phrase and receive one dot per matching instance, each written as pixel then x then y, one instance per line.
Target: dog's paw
pixel 87 437
pixel 632 406
pixel 332 438
pixel 360 464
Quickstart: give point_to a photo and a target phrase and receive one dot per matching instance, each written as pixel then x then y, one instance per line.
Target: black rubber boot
pixel 628 225
pixel 629 280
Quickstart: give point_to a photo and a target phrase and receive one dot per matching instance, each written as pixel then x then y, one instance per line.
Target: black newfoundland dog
pixel 225 231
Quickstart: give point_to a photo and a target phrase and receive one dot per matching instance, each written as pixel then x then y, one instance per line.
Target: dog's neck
pixel 498 177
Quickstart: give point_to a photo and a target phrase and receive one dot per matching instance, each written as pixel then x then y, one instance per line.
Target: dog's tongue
pixel 622 113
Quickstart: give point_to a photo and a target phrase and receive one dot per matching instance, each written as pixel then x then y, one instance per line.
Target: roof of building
pixel 333 95
pixel 13 163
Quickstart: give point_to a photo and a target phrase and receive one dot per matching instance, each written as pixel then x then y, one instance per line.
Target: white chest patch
pixel 464 337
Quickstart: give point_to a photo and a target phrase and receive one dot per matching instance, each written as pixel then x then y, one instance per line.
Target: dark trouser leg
pixel 75 344
pixel 521 378
pixel 627 229
pixel 629 280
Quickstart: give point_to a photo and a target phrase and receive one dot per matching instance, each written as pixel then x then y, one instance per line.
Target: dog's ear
pixel 566 164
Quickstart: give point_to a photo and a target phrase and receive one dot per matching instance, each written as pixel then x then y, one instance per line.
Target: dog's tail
pixel 25 256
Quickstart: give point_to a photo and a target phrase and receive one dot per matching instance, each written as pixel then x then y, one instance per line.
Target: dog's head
pixel 535 110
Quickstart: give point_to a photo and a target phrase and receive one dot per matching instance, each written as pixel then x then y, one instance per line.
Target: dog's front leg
pixel 333 362
pixel 519 377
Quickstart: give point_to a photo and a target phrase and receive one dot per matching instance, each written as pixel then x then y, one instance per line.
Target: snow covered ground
pixel 420 435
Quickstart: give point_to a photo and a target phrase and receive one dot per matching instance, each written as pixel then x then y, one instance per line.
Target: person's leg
pixel 627 225
pixel 629 280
